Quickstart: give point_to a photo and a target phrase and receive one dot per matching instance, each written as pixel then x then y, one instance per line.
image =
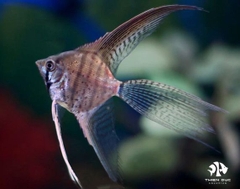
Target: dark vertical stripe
pixel 89 85
pixel 74 85
pixel 95 85
pixel 47 80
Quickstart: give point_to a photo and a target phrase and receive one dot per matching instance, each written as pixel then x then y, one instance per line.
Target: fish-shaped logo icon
pixel 217 168
pixel 83 81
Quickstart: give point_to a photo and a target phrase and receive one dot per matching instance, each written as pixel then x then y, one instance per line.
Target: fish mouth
pixel 39 63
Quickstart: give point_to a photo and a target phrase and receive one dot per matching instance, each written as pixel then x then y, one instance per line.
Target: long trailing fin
pixel 170 107
pixel 60 140
pixel 98 127
pixel 114 46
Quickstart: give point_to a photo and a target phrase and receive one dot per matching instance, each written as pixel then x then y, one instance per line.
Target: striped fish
pixel 83 81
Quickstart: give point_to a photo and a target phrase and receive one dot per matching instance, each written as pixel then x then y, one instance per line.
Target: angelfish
pixel 82 81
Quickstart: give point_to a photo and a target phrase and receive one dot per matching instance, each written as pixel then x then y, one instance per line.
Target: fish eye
pixel 50 65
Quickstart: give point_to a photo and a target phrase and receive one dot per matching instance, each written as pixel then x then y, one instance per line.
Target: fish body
pixel 83 81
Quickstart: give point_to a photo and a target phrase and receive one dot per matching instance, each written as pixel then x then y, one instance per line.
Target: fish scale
pixel 83 82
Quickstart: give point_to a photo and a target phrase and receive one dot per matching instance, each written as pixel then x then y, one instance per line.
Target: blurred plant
pixel 220 66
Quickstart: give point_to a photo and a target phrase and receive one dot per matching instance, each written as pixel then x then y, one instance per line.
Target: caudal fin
pixel 169 106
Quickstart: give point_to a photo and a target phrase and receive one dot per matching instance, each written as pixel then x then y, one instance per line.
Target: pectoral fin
pixel 55 117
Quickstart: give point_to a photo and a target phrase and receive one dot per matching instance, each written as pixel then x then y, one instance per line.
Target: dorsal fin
pixel 116 45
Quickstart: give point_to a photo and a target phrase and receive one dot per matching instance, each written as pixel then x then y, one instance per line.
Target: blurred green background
pixel 198 52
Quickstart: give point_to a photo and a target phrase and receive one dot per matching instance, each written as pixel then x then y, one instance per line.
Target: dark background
pixel 195 51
